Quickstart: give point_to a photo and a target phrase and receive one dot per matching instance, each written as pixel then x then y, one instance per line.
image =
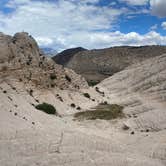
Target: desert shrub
pixel 132 133
pixel 106 112
pixel 31 92
pixel 13 88
pixel 73 105
pixel 53 76
pixel 87 95
pixel 60 98
pixel 52 85
pixel 28 63
pixel 93 82
pixel 4 91
pixel 104 103
pixel 125 127
pixel 78 108
pixel 68 78
pixel 47 108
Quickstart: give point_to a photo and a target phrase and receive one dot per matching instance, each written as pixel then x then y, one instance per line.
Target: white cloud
pixel 93 40
pixel 158 7
pixel 135 2
pixel 163 25
pixel 57 19
pixel 64 24
pixel 108 39
pixel 153 27
pixel 44 41
pixel 62 16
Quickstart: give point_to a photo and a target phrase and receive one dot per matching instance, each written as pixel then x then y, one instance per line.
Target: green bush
pixel 102 111
pixel 47 108
pixel 73 105
pixel 92 82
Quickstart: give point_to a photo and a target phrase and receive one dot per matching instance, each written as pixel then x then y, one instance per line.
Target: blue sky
pixel 62 24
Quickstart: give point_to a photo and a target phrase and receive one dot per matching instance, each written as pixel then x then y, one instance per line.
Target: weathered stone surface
pixel 20 56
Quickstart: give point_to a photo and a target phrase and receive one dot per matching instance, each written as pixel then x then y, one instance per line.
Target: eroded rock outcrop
pixel 21 58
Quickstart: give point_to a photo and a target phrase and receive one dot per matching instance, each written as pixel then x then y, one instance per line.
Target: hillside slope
pixel 141 88
pixel 96 65
pixel 31 137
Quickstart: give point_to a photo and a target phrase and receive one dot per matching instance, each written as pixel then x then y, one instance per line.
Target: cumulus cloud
pixel 93 40
pixel 61 16
pixel 158 7
pixel 44 41
pixel 62 24
pixel 107 39
pixel 163 25
pixel 57 19
pixel 135 2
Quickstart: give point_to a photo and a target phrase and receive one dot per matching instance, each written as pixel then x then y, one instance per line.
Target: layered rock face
pixel 20 57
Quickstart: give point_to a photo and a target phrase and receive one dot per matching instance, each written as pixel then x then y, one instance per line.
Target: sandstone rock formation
pixel 20 57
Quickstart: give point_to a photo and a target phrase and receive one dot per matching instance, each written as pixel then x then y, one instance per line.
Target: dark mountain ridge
pixel 65 56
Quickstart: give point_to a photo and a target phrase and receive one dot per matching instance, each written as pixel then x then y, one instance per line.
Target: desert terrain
pixel 30 137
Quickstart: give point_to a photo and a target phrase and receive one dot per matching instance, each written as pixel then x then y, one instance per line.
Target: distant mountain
pixel 65 56
pixel 96 65
pixel 49 51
